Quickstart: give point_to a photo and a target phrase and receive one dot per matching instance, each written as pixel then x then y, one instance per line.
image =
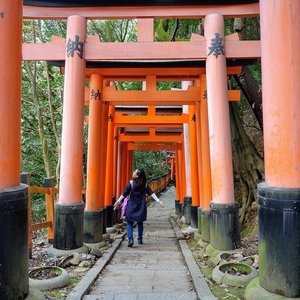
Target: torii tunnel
pixel 193 122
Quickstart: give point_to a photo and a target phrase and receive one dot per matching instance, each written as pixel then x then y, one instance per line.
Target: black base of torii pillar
pixel 14 283
pixel 279 240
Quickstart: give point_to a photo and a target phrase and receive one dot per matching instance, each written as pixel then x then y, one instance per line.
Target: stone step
pixel 143 296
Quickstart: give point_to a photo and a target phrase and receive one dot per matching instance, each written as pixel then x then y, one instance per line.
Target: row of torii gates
pixel 205 62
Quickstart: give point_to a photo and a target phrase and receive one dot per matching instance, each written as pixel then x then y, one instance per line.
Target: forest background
pixel 42 86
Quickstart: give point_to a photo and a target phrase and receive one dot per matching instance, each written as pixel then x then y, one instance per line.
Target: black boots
pixel 130 242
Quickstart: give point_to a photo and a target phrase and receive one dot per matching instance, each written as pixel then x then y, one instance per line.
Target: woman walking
pixel 136 210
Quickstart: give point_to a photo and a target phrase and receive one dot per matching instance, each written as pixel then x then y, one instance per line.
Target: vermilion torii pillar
pixel 13 195
pixel 109 167
pixel 93 214
pixel 118 170
pixel 194 166
pixel 206 170
pixel 69 209
pixel 115 163
pixel 224 222
pixel 103 148
pixel 187 201
pixel 177 183
pixel 187 197
pixel 279 195
pixel 182 177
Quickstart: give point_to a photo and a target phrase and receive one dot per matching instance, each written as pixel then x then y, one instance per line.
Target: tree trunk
pixel 39 112
pixel 252 92
pixel 53 122
pixel 248 166
pixel 246 81
pixel 247 161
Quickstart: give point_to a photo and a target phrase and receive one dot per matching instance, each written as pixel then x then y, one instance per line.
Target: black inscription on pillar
pixel 194 118
pixel 73 46
pixel 217 46
pixel 205 95
pixel 95 95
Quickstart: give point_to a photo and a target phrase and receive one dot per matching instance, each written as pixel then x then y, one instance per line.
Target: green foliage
pixel 252 29
pixel 38 209
pixel 129 85
pixel 173 29
pixel 168 85
pixel 153 162
pixel 113 30
pixel 39 99
pixel 256 72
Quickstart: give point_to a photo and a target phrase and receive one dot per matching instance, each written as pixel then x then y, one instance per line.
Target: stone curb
pixel 178 232
pixel 90 277
pixel 202 289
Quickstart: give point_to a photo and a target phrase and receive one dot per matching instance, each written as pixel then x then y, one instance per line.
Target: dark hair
pixel 140 181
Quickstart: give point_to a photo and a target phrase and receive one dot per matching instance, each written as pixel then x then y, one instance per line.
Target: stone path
pixel 152 271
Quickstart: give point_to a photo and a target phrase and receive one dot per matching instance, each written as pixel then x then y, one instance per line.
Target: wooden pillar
pixel 103 148
pixel 187 202
pixel 182 174
pixel 177 183
pixel 69 209
pixel 129 163
pixel 93 214
pixel 145 29
pixel 206 195
pixel 10 84
pixel 115 173
pixel 187 157
pixel 50 200
pixel 194 166
pixel 94 145
pixel 224 229
pixel 13 195
pixel 206 170
pixel 279 195
pixel 172 169
pixel 199 148
pixel 109 167
pixel 115 162
pixel 187 198
pixel 124 170
pixel 119 165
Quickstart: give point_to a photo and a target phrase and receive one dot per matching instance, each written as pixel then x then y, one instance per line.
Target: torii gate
pixel 278 196
pixel 151 119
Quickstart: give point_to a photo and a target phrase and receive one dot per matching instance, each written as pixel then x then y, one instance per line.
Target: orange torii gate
pixel 153 119
pixel 278 196
pixel 110 95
